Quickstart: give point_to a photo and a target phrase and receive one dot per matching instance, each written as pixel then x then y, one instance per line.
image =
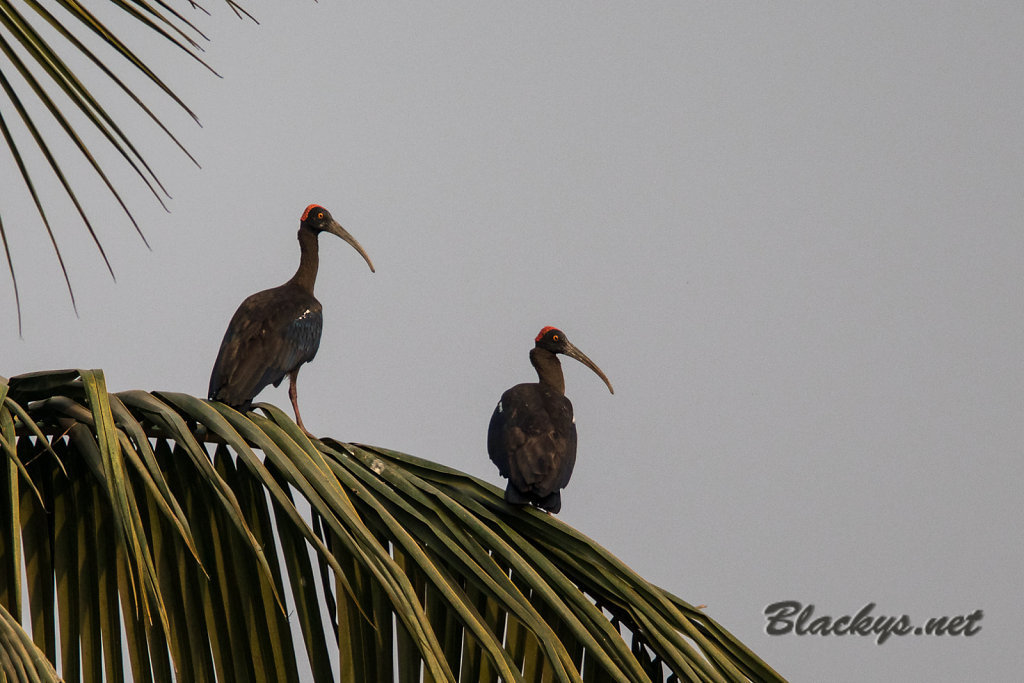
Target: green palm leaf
pixel 227 543
pixel 33 73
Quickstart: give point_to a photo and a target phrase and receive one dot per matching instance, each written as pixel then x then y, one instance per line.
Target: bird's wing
pixel 302 339
pixel 531 439
pixel 497 446
pixel 568 461
pixel 268 337
pixel 512 424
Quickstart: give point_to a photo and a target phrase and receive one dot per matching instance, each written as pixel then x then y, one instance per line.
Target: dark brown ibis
pixel 532 434
pixel 275 331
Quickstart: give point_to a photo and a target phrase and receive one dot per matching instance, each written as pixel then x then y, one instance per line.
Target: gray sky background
pixel 789 234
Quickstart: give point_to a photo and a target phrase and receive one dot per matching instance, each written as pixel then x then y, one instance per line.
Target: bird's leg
pixel 294 396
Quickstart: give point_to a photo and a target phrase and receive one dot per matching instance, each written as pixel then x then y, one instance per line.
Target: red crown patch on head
pixel 543 332
pixel 305 214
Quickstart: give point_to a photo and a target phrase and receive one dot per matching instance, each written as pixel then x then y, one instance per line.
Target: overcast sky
pixel 789 234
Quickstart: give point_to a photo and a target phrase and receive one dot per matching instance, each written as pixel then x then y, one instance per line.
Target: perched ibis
pixel 275 331
pixel 532 434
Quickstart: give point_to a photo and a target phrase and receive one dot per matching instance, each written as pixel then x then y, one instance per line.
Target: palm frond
pixel 34 77
pixel 226 544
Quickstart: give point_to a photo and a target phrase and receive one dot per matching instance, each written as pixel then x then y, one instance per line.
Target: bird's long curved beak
pixel 573 352
pixel 335 229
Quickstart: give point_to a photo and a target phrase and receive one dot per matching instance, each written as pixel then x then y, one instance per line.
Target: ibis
pixel 532 433
pixel 275 331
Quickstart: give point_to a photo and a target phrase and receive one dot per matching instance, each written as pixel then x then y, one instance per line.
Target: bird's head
pixel 318 219
pixel 553 339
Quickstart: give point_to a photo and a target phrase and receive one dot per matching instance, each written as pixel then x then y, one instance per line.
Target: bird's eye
pixel 320 215
pixel 554 338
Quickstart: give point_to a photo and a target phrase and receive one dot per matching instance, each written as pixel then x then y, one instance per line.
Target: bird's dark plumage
pixel 275 331
pixel 532 433
pixel 272 333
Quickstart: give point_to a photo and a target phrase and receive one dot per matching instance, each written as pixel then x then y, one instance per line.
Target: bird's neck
pixel 549 370
pixel 309 260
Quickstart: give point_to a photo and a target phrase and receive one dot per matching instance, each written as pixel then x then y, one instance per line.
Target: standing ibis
pixel 532 435
pixel 275 331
